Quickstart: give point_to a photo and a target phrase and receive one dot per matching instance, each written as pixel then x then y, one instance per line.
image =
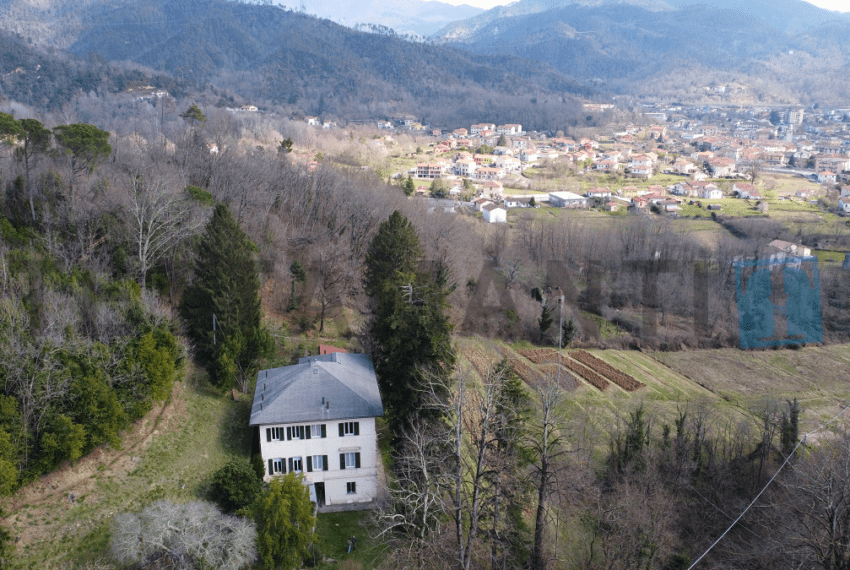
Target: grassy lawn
pixel 334 530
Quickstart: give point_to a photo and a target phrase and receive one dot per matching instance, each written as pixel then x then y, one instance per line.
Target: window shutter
pixel 268 434
pixel 324 431
pixel 342 461
pixel 271 467
pixel 341 433
pixel 309 464
pixel 357 460
pixel 288 433
pixel 290 464
pixel 324 461
pixel 356 428
pixel 309 430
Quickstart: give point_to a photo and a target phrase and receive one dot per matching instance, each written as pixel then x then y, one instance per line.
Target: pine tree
pixel 411 332
pixel 226 285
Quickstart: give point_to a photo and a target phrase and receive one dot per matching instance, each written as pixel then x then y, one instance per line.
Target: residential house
pixel 781 249
pixel 248 108
pixel 314 121
pixel 567 200
pixel 722 167
pixel 683 166
pixel 508 163
pixel 489 173
pixel 500 150
pixel 429 170
pixel 598 192
pixel 477 129
pixel 492 187
pixel 844 205
pixel 710 192
pixel 745 191
pixel 459 133
pixel 381 124
pixel 317 418
pixel 529 154
pixel 607 166
pixel 465 167
pixel 684 189
pixel 827 177
pixel 640 165
pixel 509 129
pixel 494 214
pixel 481 202
pixel 520 142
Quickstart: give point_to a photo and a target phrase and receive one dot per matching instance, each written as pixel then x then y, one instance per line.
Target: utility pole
pixel 560 332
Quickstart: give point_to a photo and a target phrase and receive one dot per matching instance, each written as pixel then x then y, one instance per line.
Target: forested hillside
pixel 273 57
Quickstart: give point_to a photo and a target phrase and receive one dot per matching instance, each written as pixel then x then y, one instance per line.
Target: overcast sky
pixel 839 5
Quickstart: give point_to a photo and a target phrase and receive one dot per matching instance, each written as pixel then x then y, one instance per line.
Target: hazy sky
pixel 839 5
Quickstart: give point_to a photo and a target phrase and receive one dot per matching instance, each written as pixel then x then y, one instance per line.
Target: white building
pixel 317 417
pixel 567 200
pixel 494 214
pixel 711 193
pixel 844 204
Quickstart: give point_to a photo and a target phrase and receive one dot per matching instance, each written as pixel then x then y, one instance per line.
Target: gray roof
pixel 332 386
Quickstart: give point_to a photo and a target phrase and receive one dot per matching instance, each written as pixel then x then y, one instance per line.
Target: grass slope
pixel 170 454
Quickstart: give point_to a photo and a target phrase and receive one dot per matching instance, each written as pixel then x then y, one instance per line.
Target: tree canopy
pixel 194 115
pixel 284 515
pixel 411 332
pixel 222 306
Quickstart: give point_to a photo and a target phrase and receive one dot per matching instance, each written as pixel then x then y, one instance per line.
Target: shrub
pixel 236 485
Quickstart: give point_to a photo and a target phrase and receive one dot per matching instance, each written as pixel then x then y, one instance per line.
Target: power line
pixel 787 459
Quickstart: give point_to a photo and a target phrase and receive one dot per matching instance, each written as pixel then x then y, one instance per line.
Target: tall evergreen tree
pixel 411 332
pixel 226 285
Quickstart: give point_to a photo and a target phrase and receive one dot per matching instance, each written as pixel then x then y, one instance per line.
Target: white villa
pixel 317 417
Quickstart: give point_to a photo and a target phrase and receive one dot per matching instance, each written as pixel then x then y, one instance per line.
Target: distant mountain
pixel 423 17
pixel 632 49
pixel 463 31
pixel 785 15
pixel 272 56
pixel 791 16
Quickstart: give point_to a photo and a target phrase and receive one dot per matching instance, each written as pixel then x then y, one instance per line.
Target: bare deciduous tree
pixel 189 535
pixel 159 219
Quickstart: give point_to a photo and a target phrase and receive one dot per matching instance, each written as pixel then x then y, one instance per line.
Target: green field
pixel 730 382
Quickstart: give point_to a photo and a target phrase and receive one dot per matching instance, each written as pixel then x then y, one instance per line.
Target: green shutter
pixel 268 434
pixel 271 467
pixel 342 461
pixel 309 464
pixel 324 431
pixel 308 429
pixel 324 461
pixel 290 465
pixel 341 433
pixel 356 428
pixel 289 434
pixel 357 460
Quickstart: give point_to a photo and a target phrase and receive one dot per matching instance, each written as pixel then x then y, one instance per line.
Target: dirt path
pixel 40 499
